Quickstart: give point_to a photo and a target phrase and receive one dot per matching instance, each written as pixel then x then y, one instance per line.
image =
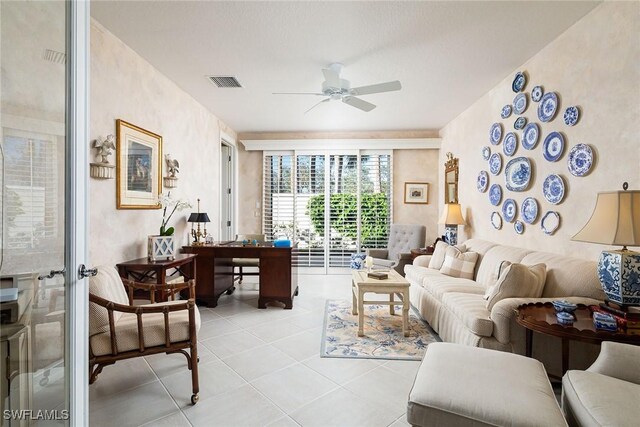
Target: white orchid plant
pixel 171 205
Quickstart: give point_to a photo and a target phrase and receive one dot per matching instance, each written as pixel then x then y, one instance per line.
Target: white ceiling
pixel 446 54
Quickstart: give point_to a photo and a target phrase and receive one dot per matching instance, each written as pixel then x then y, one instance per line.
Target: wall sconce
pixel 102 169
pixel 171 181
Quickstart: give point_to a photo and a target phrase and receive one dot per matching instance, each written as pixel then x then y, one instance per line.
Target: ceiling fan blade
pixel 331 77
pixel 297 93
pixel 315 105
pixel 358 103
pixel 377 88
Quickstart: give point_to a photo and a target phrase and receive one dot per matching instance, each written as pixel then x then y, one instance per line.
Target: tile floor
pixel 258 368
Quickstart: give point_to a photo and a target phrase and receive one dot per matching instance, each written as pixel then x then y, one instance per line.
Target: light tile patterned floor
pixel 258 368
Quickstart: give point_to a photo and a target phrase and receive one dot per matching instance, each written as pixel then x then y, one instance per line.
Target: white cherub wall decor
pixel 104 147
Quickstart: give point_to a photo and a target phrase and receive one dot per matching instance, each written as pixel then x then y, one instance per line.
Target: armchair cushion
pixel 403 238
pixel 618 360
pixel 106 284
pixel 378 253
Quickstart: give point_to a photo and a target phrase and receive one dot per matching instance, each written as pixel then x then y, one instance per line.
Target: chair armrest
pixel 422 260
pixel 618 360
pixel 405 256
pixel 378 253
pixel 152 288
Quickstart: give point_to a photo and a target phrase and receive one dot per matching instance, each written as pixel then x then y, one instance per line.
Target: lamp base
pixel 619 274
pixel 451 234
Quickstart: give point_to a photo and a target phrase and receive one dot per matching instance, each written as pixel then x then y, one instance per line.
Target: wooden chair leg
pixel 195 383
pixel 240 268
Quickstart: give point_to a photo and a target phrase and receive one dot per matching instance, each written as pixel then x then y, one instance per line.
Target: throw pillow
pixel 519 281
pixel 440 251
pixel 495 276
pixel 459 264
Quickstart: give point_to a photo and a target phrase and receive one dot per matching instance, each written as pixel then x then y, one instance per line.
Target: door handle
pixel 86 272
pixel 51 274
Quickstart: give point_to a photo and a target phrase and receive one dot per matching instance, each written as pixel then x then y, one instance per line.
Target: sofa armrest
pixel 618 360
pixel 378 253
pixel 422 260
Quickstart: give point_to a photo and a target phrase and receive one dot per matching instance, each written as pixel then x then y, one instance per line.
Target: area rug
pixel 383 333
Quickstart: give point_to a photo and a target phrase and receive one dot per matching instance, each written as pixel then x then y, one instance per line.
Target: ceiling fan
pixel 335 88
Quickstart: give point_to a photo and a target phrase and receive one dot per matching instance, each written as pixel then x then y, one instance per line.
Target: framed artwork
pixel 416 192
pixel 138 167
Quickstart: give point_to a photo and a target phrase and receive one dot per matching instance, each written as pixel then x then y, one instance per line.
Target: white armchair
pixel 402 238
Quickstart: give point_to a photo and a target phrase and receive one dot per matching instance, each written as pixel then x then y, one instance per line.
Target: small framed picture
pixel 138 167
pixel 416 192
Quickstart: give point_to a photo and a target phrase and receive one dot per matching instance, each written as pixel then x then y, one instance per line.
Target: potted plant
pixel 162 246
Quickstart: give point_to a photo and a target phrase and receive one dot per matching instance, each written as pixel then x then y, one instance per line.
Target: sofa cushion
pixel 495 276
pixel 459 264
pixel 481 247
pixel 471 310
pixel 493 258
pixel 592 399
pixel 440 284
pixel 439 253
pixel 518 281
pixel 416 274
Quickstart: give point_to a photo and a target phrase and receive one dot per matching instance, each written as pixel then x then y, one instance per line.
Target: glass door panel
pixel 343 209
pixel 309 211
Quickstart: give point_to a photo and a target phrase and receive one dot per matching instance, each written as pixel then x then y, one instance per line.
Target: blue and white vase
pixel 357 261
pixel 619 274
pixel 451 234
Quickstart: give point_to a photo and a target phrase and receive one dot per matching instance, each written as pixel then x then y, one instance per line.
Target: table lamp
pixel 198 217
pixel 451 218
pixel 616 221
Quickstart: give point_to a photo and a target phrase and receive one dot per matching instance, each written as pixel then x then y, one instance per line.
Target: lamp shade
pixel 452 214
pixel 615 220
pixel 198 217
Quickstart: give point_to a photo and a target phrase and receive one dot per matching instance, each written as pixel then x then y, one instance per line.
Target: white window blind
pixel 375 200
pixel 278 203
pixel 309 217
pixel 343 210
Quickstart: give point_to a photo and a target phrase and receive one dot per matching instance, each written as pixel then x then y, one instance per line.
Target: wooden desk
pixel 143 270
pixel 214 274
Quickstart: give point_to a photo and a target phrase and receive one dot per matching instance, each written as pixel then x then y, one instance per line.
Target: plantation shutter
pixel 278 199
pixel 309 216
pixel 375 200
pixel 343 214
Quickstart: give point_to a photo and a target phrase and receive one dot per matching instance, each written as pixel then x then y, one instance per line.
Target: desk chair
pixel 242 263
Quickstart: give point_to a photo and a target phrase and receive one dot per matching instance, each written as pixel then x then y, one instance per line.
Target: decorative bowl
pixel 564 306
pixel 564 317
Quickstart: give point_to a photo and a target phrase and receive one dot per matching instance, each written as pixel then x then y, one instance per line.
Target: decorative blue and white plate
pixel 553 146
pixel 483 181
pixel 506 111
pixel 519 227
pixel 486 152
pixel 519 123
pixel 548 107
pixel 519 82
pixel 509 210
pixel 571 116
pixel 495 163
pixel 495 134
pixel 536 93
pixel 530 136
pixel 580 159
pixel 510 144
pixel 495 194
pixel 517 174
pixel 550 222
pixel 496 220
pixel 529 210
pixel 553 189
pixel 520 103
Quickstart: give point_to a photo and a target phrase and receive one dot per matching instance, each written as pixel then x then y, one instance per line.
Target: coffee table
pixel 541 317
pixel 394 285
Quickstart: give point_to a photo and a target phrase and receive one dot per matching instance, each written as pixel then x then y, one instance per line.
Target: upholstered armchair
pixel 119 330
pixel 402 238
pixel 242 263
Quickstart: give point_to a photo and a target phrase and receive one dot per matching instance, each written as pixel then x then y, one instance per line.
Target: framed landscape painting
pixel 416 192
pixel 138 167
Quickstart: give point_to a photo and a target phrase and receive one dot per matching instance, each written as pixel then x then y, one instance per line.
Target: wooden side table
pixel 421 251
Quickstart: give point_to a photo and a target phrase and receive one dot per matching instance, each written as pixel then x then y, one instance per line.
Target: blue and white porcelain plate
pixel 510 144
pixel 506 111
pixel 536 93
pixel 553 189
pixel 496 220
pixel 553 146
pixel 550 222
pixel 571 116
pixel 495 163
pixel 519 123
pixel 580 159
pixel 548 107
pixel 519 227
pixel 495 194
pixel 486 152
pixel 530 136
pixel 483 181
pixel 529 210
pixel 517 174
pixel 495 133
pixel 520 103
pixel 509 210
pixel 519 82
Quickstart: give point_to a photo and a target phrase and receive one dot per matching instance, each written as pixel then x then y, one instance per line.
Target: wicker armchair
pixel 119 330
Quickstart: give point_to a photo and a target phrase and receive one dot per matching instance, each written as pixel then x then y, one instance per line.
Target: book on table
pixel 380 275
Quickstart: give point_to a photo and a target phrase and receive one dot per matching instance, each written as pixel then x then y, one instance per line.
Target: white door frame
pixel 229 141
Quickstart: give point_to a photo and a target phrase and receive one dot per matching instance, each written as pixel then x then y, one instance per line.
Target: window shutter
pixel 375 200
pixel 278 200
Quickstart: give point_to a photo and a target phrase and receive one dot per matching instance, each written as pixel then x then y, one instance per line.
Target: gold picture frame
pixel 138 167
pixel 416 193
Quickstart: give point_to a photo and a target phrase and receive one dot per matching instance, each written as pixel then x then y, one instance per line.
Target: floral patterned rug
pixel 383 333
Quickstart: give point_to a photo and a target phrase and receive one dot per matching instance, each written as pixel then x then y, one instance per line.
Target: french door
pixel 330 205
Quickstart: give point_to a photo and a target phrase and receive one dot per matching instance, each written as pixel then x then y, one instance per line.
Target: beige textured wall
pixel 249 191
pixel 125 86
pixel 595 65
pixel 417 166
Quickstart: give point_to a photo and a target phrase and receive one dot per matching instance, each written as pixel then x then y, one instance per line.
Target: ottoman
pixel 458 385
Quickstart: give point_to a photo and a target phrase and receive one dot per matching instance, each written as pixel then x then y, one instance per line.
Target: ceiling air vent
pixel 224 81
pixel 54 56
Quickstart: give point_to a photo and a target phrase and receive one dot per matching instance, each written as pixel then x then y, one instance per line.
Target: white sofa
pixel 456 310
